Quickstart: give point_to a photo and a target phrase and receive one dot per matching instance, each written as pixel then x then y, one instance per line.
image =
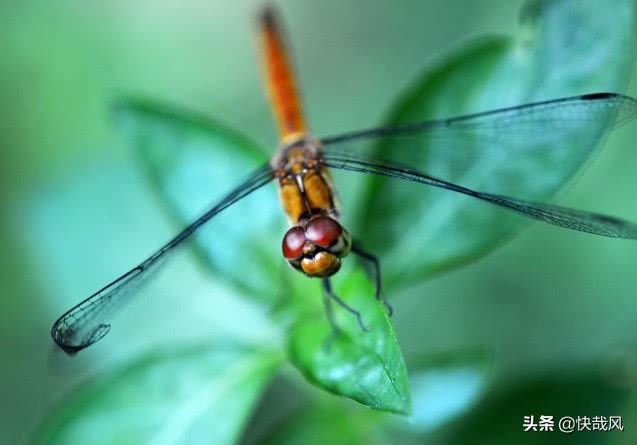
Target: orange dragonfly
pixel 316 243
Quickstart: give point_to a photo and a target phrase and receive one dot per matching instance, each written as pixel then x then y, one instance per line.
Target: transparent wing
pixel 189 159
pixel 84 324
pixel 529 151
pixel 498 135
pixel 560 216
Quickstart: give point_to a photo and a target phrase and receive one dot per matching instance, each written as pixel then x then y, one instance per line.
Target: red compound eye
pixel 293 242
pixel 323 231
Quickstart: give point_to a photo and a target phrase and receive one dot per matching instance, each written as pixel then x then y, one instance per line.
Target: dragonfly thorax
pixel 305 185
pixel 316 246
pixel 296 154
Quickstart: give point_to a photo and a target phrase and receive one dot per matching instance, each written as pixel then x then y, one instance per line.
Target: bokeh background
pixel 557 310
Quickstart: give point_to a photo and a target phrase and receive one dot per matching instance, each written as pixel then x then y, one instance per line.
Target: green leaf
pixel 197 395
pixel 193 162
pixel 563 48
pixel 365 366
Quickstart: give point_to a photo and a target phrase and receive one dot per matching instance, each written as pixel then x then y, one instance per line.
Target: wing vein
pixel 565 217
pixel 83 325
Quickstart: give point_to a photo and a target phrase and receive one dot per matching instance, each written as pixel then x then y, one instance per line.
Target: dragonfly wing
pixel 565 217
pixel 189 159
pixel 528 151
pixel 500 142
pixel 84 324
pixel 493 149
pixel 603 111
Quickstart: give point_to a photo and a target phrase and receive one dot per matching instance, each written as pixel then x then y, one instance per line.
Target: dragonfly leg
pixel 372 260
pixel 327 287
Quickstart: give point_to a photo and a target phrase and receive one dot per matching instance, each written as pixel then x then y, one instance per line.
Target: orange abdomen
pixel 280 83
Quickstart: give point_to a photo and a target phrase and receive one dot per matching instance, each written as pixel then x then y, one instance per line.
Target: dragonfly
pixel 316 242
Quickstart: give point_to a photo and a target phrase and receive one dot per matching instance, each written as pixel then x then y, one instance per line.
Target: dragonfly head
pixel 316 246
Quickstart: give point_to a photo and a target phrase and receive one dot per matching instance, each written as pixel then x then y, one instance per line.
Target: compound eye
pixel 323 231
pixel 293 243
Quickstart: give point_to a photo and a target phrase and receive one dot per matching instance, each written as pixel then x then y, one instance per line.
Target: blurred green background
pixel 556 310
